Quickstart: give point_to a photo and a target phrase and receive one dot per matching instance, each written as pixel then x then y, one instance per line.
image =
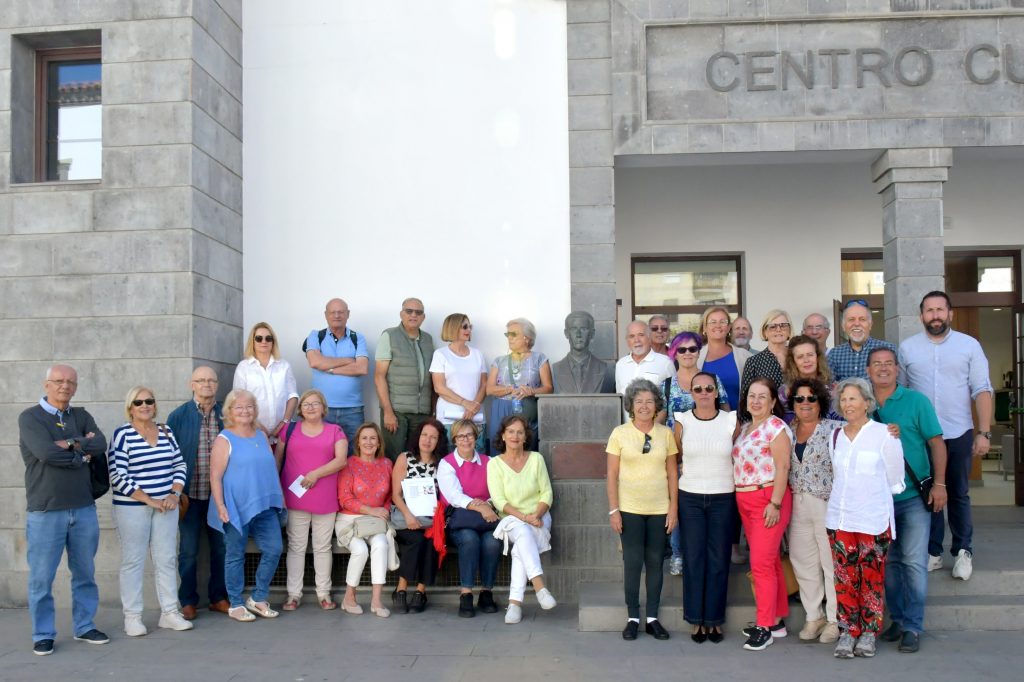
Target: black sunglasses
pixel 647 443
pixel 659 329
pixel 698 389
pixel 802 398
pixel 687 349
pixel 260 338
pixel 144 401
pixel 412 311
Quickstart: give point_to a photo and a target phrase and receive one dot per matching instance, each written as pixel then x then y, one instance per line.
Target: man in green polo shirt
pixel 924 451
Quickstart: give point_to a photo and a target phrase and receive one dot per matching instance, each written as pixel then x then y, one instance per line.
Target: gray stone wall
pixel 137 277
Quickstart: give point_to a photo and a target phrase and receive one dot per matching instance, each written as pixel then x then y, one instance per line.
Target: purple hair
pixel 691 338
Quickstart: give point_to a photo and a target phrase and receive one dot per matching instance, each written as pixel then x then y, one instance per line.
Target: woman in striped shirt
pixel 147 474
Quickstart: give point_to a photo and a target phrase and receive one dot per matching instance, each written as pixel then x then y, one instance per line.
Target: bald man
pixel 58 443
pixel 195 424
pixel 817 327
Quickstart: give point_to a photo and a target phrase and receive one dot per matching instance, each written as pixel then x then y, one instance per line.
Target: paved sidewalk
pixel 310 645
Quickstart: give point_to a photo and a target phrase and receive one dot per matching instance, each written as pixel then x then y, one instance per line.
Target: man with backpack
pixel 339 360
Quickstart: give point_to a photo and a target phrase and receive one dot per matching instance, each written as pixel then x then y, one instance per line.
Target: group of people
pixel 857 451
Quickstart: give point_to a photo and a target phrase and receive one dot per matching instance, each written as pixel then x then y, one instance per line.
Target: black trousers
pixel 643 547
pixel 417 558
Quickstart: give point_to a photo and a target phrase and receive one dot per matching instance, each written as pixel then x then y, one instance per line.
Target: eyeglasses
pixel 260 339
pixel 777 326
pixel 659 329
pixel 647 443
pixel 412 311
pixel 204 381
pixel 687 349
pixel 511 335
pixel 856 301
pixel 717 323
pixel 243 408
pixel 63 382
pixel 703 389
pixel 312 406
pixel 464 436
pixel 883 364
pixel 814 327
pixel 805 398
pixel 467 325
pixel 144 401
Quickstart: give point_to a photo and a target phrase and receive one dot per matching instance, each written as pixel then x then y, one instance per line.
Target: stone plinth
pixel 574 431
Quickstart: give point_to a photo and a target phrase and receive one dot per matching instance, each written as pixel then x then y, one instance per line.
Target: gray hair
pixel 638 386
pixel 861 385
pixel 529 331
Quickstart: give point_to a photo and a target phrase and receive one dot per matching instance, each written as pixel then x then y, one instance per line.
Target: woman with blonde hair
pixel 459 374
pixel 768 364
pixel 719 356
pixel 147 475
pixel 263 373
pixel 312 452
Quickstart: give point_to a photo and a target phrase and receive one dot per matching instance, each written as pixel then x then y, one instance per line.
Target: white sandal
pixel 261 608
pixel 241 614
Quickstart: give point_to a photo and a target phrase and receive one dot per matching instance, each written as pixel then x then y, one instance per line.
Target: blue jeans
pixel 349 419
pixel 959 459
pixel 906 570
pixel 707 522
pixel 477 551
pixel 48 534
pixel 190 529
pixel 265 529
pixel 675 541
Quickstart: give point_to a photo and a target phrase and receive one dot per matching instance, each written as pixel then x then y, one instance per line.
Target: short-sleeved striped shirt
pixel 135 464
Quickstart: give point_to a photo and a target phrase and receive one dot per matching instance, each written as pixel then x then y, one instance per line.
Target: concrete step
pixel 601 609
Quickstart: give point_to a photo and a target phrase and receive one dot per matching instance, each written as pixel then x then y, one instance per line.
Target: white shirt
pixel 866 474
pixel 448 481
pixel 707 453
pixel 653 366
pixel 951 373
pixel 462 375
pixel 273 387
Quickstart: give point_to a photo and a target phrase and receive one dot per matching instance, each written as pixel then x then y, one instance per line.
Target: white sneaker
pixel 173 620
pixel 934 563
pixel 964 565
pixel 675 565
pixel 546 599
pixel 514 613
pixel 134 627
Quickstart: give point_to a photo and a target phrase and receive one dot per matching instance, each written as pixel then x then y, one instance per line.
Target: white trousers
pixel 143 530
pixel 377 551
pixel 525 557
pixel 299 525
pixel 811 556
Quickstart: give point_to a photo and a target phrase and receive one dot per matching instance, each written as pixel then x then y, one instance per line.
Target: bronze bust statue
pixel 580 371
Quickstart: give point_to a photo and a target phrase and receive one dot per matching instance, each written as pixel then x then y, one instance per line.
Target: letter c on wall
pixel 969 64
pixel 709 71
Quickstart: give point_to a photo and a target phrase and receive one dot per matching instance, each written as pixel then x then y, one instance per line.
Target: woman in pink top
pixel 314 451
pixel 364 489
pixel 761 471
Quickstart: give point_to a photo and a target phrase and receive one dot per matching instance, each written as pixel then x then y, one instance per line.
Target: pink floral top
pixel 752 462
pixel 364 483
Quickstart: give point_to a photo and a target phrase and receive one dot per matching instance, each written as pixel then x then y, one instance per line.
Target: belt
pixel 752 488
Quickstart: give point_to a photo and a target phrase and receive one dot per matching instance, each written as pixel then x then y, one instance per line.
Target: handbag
pixel 467 519
pixel 922 485
pixel 366 526
pixel 398 520
pixel 99 475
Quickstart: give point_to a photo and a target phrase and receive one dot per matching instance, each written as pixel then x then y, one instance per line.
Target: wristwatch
pixel 176 493
pixel 776 505
pixel 70 444
pixel 987 434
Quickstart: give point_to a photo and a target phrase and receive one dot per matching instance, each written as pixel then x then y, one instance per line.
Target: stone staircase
pixel 993 599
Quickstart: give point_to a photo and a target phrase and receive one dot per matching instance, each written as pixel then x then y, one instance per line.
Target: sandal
pixel 327 605
pixel 290 605
pixel 261 608
pixel 241 614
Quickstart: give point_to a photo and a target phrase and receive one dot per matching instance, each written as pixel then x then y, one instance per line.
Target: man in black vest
pixel 58 443
pixel 402 377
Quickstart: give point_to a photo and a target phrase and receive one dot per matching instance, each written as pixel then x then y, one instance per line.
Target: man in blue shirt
pixel 339 360
pixel 951 369
pixel 851 358
pixel 924 452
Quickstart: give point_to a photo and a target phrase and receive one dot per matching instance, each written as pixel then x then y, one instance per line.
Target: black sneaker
pixel 759 640
pixel 466 609
pixel 892 633
pixel 655 629
pixel 43 647
pixel 419 602
pixel 399 601
pixel 778 630
pixel 94 636
pixel 910 642
pixel 486 602
pixel 629 632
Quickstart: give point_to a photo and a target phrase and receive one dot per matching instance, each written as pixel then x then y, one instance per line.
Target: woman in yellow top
pixel 521 492
pixel 642 488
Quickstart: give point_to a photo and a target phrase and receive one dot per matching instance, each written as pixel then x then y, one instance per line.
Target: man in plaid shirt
pixel 851 358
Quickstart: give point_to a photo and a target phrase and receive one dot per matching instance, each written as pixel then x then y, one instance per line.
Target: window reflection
pixel 74 122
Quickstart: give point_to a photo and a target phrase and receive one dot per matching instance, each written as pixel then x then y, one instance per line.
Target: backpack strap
pixel 287 437
pixel 835 437
pixel 322 334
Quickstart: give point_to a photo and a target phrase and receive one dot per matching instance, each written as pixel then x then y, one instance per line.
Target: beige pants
pixel 299 524
pixel 811 556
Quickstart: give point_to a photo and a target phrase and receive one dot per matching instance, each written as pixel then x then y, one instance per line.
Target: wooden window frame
pixel 736 308
pixel 44 58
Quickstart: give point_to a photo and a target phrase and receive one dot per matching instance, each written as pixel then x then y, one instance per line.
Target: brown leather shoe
pixel 222 606
pixel 188 612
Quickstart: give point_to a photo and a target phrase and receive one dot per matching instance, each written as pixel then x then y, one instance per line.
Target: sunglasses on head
pixel 259 338
pixel 687 349
pixel 708 388
pixel 139 402
pixel 856 301
pixel 647 443
pixel 807 398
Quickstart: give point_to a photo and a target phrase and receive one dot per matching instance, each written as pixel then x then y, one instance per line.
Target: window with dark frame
pixel 683 287
pixel 69 120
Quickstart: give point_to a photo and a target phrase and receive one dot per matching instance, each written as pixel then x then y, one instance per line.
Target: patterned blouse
pixel 414 468
pixel 763 364
pixel 812 473
pixel 752 461
pixel 679 399
pixel 525 372
pixel 364 483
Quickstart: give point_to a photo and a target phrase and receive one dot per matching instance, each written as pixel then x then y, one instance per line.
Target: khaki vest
pixel 407 392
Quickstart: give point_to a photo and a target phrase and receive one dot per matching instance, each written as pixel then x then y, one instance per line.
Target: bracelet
pixel 942 484
pixel 613 511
